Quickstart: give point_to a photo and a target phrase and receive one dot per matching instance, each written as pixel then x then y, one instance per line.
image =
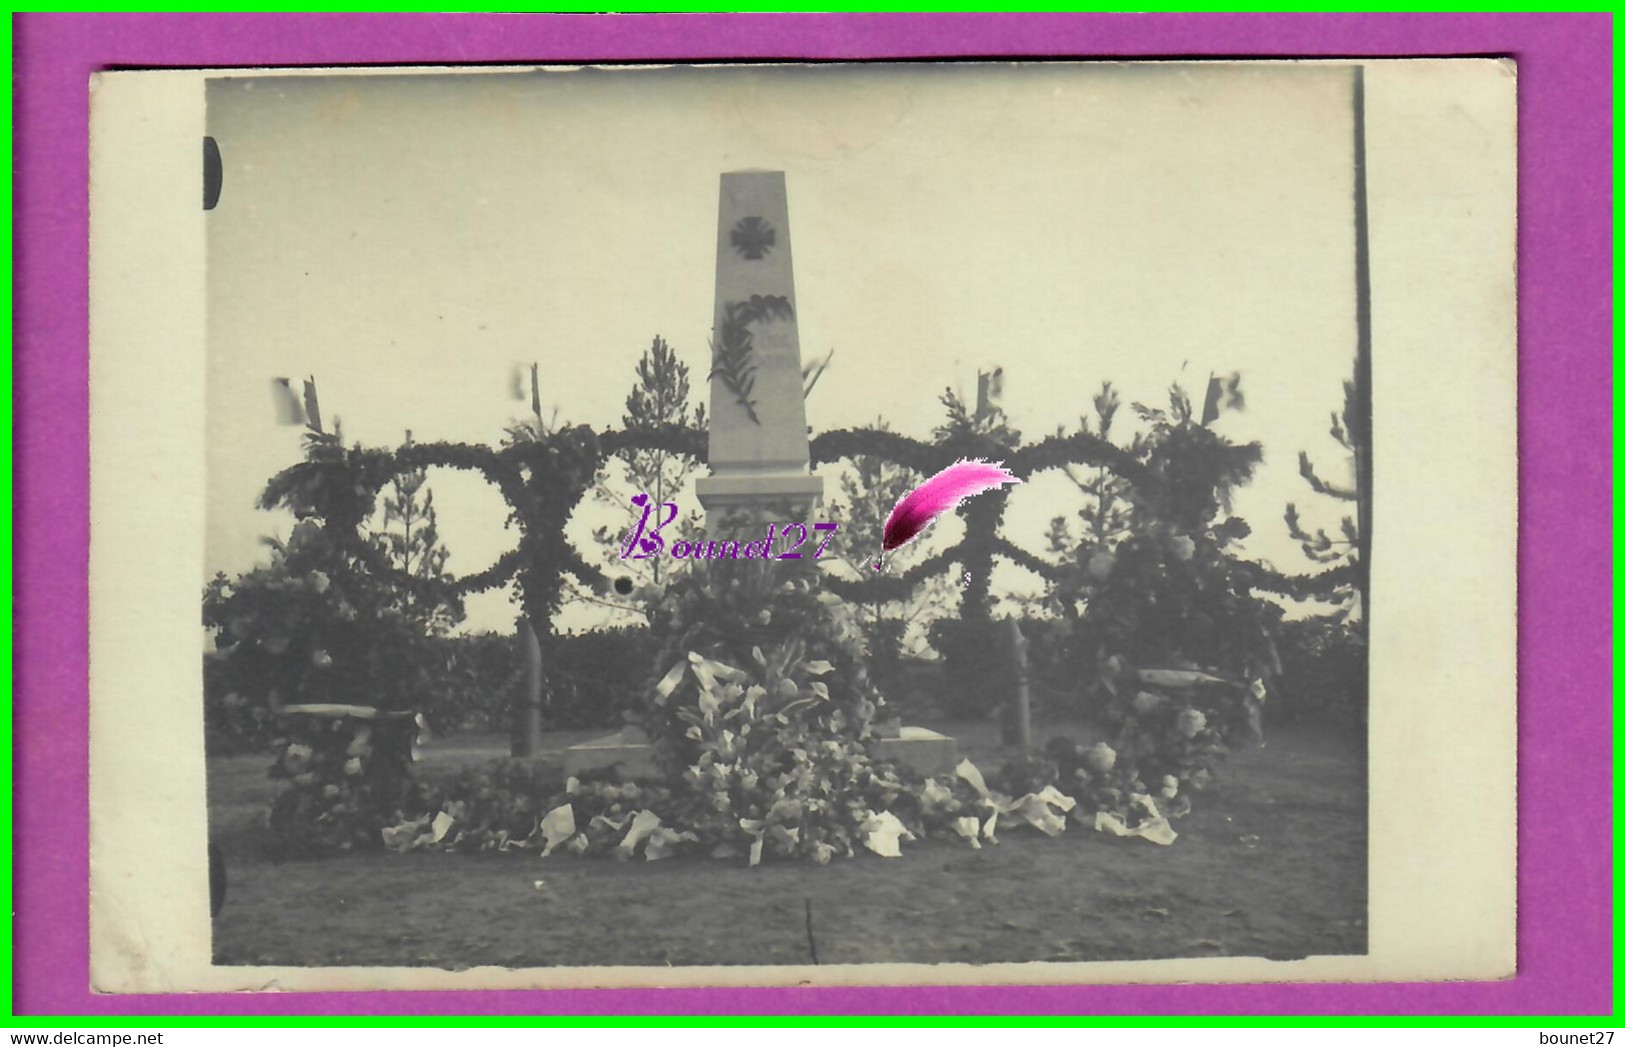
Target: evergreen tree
pixel 869 492
pixel 659 400
pixel 410 536
pixel 1105 514
pixel 1317 544
pixel 1326 656
pixel 983 432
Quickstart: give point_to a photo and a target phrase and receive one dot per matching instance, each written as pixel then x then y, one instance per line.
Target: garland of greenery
pixel 887 587
pixel 1302 586
pixel 762 721
pixel 541 481
pixel 982 543
pixel 1022 558
pixel 1057 452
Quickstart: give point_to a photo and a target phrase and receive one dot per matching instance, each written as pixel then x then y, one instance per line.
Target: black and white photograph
pixel 847 523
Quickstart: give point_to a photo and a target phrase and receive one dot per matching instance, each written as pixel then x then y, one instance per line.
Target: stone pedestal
pixel 922 749
pixel 628 750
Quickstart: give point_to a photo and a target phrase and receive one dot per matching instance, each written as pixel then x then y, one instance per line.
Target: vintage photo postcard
pixel 858 524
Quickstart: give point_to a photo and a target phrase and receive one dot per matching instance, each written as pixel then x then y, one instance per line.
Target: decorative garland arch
pixel 540 480
pixel 543 480
pixel 982 543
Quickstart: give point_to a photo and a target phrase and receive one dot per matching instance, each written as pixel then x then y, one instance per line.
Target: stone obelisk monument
pixel 758 429
pixel 758 453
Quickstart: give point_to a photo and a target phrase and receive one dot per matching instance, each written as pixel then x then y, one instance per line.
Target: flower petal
pixel 643 823
pixel 882 833
pixel 441 825
pixel 1055 798
pixel 669 682
pixel 557 827
pixel 968 771
pixel 1036 813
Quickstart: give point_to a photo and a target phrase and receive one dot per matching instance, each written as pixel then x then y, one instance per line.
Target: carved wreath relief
pixel 733 352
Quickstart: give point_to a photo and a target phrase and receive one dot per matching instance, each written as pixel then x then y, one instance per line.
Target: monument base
pixel 759 495
pixel 918 748
pixel 747 489
pixel 628 750
pixel 921 749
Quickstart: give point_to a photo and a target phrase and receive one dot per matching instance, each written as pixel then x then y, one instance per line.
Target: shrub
pixel 311 626
pixel 1165 599
pixel 1026 774
pixel 1051 670
pixel 233 722
pixel 1173 728
pixel 491 808
pixel 591 680
pixel 975 675
pixel 914 689
pixel 884 644
pixel 1161 587
pixel 598 679
pixel 349 773
pixel 762 711
pixel 1324 673
pixel 460 683
pixel 477 679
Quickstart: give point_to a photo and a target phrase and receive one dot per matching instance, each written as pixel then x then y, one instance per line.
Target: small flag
pixel 313 413
pixel 289 411
pixel 1223 393
pixel 812 372
pixel 989 392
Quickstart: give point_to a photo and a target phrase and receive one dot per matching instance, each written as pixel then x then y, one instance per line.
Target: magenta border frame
pixel 1565 84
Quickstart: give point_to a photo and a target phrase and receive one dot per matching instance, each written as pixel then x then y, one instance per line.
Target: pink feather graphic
pixel 944 491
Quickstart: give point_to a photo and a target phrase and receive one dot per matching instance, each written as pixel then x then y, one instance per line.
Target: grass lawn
pixel 1270 863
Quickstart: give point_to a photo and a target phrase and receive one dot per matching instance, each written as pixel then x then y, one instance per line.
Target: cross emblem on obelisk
pixel 753 237
pixel 758 430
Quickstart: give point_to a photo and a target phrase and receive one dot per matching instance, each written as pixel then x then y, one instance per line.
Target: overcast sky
pixel 409 240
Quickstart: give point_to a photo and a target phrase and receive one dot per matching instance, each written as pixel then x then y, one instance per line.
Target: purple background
pixel 1564 266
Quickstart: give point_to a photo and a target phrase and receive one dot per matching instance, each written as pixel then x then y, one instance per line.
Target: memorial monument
pixel 758 425
pixel 758 432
